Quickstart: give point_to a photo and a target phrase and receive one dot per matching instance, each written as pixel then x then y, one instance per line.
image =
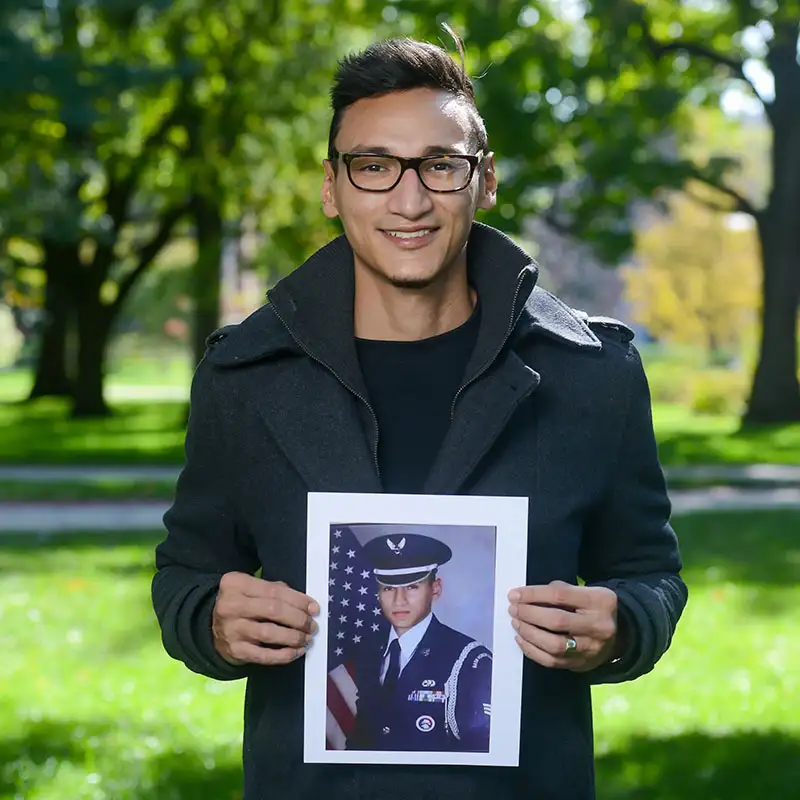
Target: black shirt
pixel 411 388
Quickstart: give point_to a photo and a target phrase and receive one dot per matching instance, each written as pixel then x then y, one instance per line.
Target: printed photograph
pixel 415 660
pixel 410 631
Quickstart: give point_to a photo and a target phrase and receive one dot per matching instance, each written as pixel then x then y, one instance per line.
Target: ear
pixel 437 587
pixel 328 194
pixel 487 197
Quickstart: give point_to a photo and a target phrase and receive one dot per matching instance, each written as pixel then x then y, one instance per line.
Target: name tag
pixel 427 696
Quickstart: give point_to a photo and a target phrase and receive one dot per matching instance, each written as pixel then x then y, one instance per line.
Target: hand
pixel 546 616
pixel 250 613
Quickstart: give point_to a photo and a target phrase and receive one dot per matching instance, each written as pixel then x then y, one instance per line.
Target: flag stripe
pixel 346 686
pixel 335 738
pixel 338 708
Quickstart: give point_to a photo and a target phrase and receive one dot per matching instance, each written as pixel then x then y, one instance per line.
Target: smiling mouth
pixel 410 234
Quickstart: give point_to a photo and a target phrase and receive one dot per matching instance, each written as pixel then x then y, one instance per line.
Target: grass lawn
pixel 93 709
pixel 80 491
pixel 152 433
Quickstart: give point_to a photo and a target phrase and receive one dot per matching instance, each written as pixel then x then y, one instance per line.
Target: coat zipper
pixel 499 349
pixel 346 386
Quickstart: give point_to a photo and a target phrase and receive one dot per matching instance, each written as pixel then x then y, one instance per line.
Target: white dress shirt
pixel 409 642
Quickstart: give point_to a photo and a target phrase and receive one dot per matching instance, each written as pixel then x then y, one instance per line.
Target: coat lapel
pixel 481 414
pixel 323 439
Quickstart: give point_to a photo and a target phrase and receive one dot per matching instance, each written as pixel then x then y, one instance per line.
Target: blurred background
pixel 160 165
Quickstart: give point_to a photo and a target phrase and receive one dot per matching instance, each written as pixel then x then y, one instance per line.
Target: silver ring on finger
pixel 570 646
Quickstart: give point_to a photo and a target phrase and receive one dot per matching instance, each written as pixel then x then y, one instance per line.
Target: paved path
pixel 753 473
pixel 147 516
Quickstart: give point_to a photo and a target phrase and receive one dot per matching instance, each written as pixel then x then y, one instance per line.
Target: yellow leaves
pixel 696 280
pixel 49 128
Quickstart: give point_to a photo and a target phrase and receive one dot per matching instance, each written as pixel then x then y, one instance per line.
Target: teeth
pixel 407 235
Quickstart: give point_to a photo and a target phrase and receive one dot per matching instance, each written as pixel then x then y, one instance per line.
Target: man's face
pixel 405 606
pixel 410 123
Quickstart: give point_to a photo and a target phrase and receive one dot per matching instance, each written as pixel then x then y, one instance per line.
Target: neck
pixel 387 312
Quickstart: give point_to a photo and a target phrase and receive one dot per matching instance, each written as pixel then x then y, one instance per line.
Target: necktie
pixel 393 671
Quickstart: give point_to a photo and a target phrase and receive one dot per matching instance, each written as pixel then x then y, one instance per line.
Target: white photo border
pixel 509 516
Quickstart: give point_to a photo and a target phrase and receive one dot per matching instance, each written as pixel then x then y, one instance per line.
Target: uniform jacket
pixel 554 406
pixel 442 700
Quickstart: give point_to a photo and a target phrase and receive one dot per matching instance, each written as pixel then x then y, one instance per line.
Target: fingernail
pixel 513 596
pixel 301 651
pixel 314 626
pixel 309 639
pixel 313 608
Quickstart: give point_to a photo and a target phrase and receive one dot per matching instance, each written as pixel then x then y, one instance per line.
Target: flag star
pixel 376 611
pixel 348 586
pixel 335 549
pixel 345 601
pixel 330 598
pixel 334 565
pixel 331 581
pixel 343 619
pixel 359 623
pixel 375 626
pixel 363 590
pixel 356 639
pixel 365 574
pixel 360 606
pixel 337 534
pixel 339 651
pixel 351 553
pixel 340 635
pixel 348 570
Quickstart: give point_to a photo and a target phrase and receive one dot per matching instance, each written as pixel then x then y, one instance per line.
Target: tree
pixel 589 106
pixel 696 281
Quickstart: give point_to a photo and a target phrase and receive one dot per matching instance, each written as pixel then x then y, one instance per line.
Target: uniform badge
pixel 425 723
pixel 428 683
pixel 396 548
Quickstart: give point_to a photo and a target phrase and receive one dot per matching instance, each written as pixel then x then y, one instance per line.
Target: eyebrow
pixel 431 150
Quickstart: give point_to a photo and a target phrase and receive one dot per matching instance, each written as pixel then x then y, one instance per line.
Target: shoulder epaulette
pixel 625 332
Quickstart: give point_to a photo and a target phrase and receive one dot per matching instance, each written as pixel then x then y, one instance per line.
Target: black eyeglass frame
pixel 414 163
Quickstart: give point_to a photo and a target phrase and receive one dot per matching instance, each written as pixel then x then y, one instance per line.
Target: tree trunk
pixel 206 273
pixel 94 330
pixel 775 396
pixel 52 377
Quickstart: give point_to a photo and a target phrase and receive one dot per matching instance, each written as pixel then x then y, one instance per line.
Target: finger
pixel 266 656
pixel 280 591
pixel 555 644
pixel 540 656
pixel 557 620
pixel 564 595
pixel 269 633
pixel 270 609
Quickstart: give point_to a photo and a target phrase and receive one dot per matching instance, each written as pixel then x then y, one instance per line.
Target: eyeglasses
pixel 381 173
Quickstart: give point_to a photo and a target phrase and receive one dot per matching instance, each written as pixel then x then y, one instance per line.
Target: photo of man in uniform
pixel 426 686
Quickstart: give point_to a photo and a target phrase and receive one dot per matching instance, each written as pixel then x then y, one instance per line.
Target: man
pixel 415 353
pixel 430 687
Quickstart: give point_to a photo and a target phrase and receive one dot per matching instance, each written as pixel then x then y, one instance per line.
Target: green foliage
pixel 100 712
pixel 719 392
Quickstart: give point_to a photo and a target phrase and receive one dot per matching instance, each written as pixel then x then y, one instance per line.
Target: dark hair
pixel 396 65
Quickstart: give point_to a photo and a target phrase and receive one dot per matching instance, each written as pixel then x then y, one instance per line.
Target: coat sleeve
pixel 629 545
pixel 202 541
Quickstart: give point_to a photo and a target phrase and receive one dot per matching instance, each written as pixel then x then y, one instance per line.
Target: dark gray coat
pixel 555 407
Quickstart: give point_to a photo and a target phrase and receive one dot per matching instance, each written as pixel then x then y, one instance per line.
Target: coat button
pixel 387 730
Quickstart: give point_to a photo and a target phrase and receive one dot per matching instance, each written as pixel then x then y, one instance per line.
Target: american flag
pixel 355 622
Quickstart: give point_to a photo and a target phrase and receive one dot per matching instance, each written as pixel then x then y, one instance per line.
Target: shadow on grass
pixel 28 762
pixel 23 758
pixel 742 765
pixel 749 547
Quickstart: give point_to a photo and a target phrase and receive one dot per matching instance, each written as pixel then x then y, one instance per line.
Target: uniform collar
pixel 410 640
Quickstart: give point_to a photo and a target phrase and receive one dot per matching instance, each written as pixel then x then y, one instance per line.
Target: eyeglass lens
pixel 381 172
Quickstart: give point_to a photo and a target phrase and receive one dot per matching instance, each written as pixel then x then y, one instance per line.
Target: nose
pixel 400 596
pixel 410 199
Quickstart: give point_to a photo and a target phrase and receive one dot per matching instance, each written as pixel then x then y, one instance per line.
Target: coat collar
pixel 311 310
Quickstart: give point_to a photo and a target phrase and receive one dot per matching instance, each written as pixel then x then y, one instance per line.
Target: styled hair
pixel 397 65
